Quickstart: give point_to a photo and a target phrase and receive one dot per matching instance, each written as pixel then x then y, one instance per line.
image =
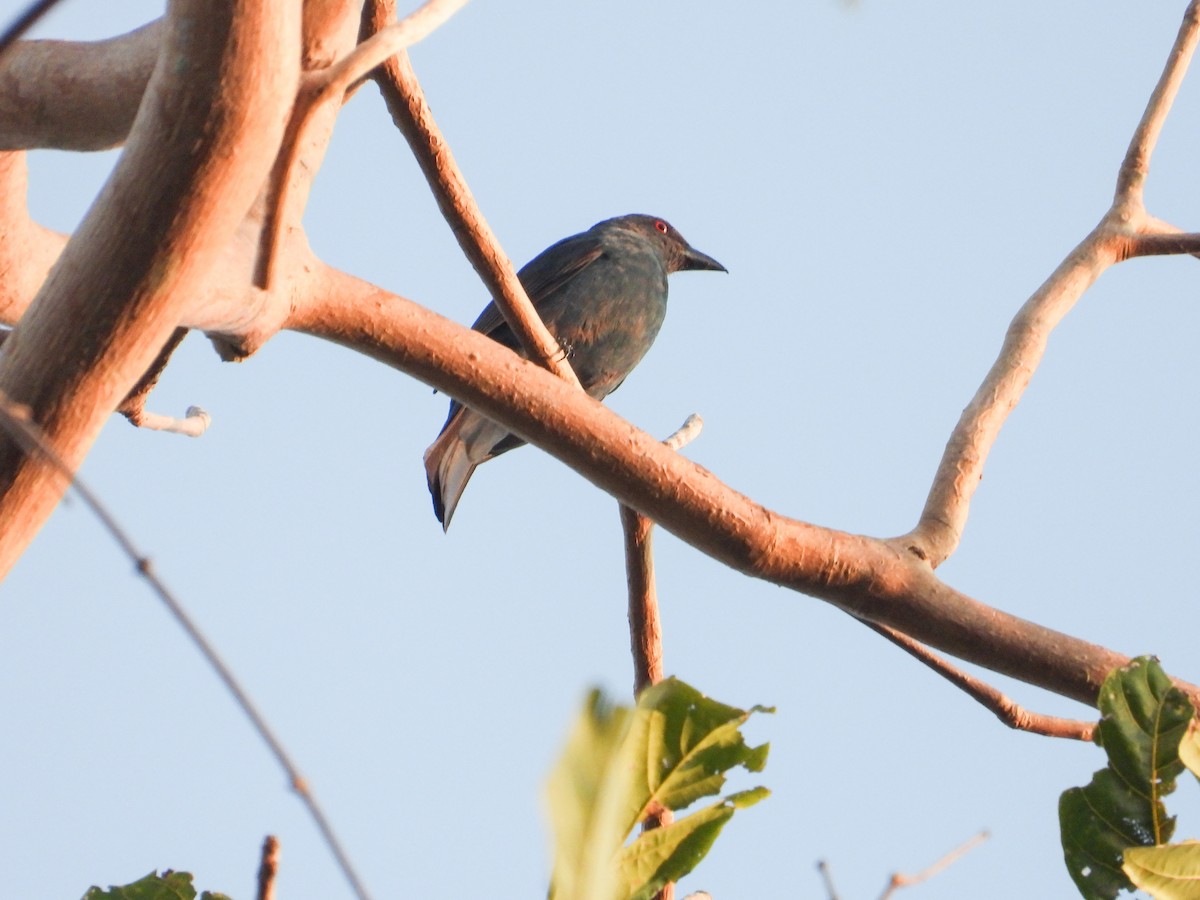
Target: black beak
pixel 693 259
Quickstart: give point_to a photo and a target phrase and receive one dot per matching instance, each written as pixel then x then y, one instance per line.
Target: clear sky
pixel 886 183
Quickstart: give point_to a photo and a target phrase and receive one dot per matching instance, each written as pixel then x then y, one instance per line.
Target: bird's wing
pixel 542 277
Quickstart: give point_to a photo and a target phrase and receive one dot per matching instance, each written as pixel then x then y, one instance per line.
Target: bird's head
pixel 678 254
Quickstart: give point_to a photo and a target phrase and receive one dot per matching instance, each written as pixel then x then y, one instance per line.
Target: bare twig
pixel 15 422
pixel 1118 236
pixel 899 880
pixel 24 22
pixel 133 407
pixel 1008 712
pixel 406 102
pixel 267 868
pixel 329 85
pixel 193 424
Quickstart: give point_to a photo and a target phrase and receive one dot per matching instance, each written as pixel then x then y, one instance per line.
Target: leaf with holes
pixel 168 886
pixel 1143 718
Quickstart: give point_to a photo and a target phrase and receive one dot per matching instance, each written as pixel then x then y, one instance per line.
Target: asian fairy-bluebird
pixel 603 295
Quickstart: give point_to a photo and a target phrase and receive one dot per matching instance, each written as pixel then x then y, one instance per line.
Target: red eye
pixel 661 226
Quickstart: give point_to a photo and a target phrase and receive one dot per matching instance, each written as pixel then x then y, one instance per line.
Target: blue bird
pixel 603 295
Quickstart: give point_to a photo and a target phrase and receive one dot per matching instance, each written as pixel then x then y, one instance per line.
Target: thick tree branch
pixel 869 578
pixel 23 22
pixel 75 95
pixel 406 102
pixel 198 153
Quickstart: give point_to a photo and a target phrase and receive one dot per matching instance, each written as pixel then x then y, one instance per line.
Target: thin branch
pixel 899 880
pixel 24 22
pixel 406 102
pixel 1132 176
pixel 133 407
pixel 268 868
pixel 193 424
pixel 16 423
pixel 1011 714
pixel 645 623
pixel 1164 244
pixel 329 85
pixel 944 517
pixel 645 626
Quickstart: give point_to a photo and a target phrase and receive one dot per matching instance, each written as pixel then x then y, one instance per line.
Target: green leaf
pixel 1143 718
pixel 673 748
pixel 685 743
pixel 1166 873
pixel 168 886
pixel 585 798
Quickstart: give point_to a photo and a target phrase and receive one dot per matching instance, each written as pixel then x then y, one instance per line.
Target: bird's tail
pixel 465 442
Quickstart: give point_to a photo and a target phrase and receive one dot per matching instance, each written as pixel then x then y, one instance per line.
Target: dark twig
pixel 24 22
pixel 267 868
pixel 1010 713
pixel 15 421
pixel 827 877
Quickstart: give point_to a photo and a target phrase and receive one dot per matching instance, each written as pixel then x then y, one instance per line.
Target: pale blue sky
pixel 886 184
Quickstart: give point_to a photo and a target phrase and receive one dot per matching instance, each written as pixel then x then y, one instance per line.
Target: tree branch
pixel 870 578
pixel 75 95
pixel 645 624
pixel 329 86
pixel 1136 166
pixel 945 514
pixel 406 102
pixel 23 22
pixel 198 153
pixel 1011 714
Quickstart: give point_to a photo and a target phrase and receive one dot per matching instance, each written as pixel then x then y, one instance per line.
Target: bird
pixel 602 294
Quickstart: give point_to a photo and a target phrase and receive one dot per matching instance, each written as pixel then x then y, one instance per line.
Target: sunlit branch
pixel 1126 230
pixel 406 102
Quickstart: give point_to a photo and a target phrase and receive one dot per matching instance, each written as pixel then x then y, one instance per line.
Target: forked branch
pixel 1125 230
